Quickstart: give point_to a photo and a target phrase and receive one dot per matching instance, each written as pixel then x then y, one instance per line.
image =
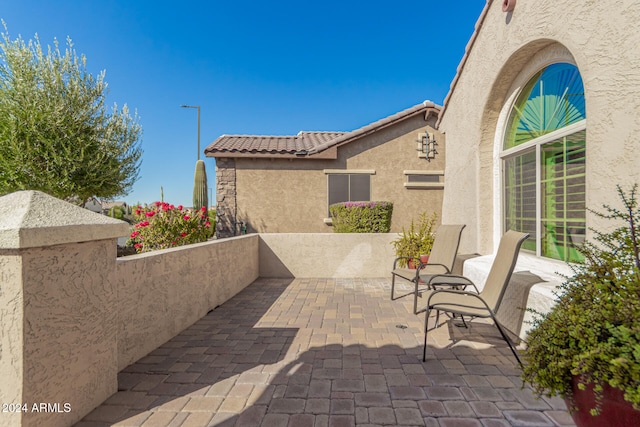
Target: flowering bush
pixel 361 217
pixel 162 225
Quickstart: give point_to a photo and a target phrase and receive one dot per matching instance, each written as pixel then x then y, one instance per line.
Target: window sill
pixel 328 221
pixel 424 185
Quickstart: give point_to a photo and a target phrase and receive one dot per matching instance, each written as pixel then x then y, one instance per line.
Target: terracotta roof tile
pixel 303 141
pixel 306 143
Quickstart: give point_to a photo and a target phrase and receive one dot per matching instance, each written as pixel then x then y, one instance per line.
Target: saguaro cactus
pixel 200 189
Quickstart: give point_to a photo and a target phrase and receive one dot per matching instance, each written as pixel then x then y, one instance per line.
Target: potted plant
pixel 416 242
pixel 587 348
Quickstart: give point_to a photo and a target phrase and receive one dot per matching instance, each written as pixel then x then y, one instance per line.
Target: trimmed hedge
pixel 361 217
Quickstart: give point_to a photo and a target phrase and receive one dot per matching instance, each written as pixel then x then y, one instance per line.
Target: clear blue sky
pixel 254 67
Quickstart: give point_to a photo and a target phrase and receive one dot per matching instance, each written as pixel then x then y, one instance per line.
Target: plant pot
pixel 615 411
pixel 423 259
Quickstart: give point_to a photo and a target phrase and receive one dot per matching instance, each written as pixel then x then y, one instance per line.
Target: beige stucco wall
pixel 290 196
pixel 163 292
pixel 58 330
pixel 326 255
pixel 600 38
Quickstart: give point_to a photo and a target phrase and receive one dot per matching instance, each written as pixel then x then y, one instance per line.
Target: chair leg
pixel 415 299
pixel 393 284
pixel 426 330
pixel 508 340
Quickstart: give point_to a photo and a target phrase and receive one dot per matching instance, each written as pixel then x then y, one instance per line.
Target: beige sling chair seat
pixel 484 304
pixel 441 259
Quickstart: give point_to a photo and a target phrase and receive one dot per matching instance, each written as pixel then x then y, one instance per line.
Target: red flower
pixel 179 207
pixel 203 209
pixel 183 234
pixel 158 203
pixel 150 214
pixel 187 217
pixel 137 245
pixel 138 211
pixel 207 224
pixel 134 234
pixel 144 223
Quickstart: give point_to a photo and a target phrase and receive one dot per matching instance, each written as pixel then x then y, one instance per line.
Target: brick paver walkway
pixel 325 352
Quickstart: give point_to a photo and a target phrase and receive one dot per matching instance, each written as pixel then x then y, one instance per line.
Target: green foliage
pixel 212 221
pixel 117 212
pixel 162 226
pixel 200 196
pixel 417 240
pixel 56 134
pixel 593 331
pixel 361 217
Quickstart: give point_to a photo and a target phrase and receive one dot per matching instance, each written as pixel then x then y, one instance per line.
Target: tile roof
pixel 304 143
pixel 265 144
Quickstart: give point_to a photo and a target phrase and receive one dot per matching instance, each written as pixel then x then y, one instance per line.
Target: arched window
pixel 543 159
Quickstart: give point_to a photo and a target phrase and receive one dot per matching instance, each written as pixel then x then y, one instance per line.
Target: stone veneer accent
pixel 226 205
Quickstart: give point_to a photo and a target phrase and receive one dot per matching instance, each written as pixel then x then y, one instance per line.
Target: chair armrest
pixel 452 280
pixel 395 261
pixel 423 265
pixel 457 292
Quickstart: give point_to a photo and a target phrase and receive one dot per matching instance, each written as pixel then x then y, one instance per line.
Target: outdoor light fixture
pixel 427 145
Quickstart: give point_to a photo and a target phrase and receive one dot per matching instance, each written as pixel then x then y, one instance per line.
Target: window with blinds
pixel 349 188
pixel 544 163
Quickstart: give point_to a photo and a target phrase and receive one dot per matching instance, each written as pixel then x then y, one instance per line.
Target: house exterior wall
pixel 290 195
pixel 598 37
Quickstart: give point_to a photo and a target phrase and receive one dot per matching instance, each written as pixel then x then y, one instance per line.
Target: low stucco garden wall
pixel 336 255
pixel 161 293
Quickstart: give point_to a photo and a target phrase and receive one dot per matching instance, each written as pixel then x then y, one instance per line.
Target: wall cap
pixel 30 219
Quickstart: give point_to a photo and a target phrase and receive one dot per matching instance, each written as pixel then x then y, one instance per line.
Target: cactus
pixel 200 190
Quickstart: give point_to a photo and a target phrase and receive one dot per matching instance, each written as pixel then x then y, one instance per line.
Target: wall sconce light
pixel 427 145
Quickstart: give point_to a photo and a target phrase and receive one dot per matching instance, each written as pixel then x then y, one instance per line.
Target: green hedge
pixel 361 217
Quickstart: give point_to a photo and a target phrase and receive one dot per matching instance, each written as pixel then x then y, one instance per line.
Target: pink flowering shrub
pixel 162 225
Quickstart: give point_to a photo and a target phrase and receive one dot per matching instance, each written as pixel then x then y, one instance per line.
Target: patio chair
pixel 476 304
pixel 441 259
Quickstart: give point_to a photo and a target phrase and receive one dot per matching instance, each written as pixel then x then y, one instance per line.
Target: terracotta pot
pixel 423 259
pixel 615 411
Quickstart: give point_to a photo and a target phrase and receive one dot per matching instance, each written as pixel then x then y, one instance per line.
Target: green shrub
pixel 593 332
pixel 361 217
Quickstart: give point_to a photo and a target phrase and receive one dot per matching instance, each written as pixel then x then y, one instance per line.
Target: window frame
pixel 349 173
pixel 535 145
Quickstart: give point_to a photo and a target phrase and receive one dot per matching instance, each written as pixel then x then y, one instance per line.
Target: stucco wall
pixel 161 293
pixel 58 327
pixel 600 38
pixel 326 255
pixel 290 196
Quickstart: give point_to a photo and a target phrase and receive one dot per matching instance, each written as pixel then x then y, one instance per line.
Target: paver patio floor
pixel 325 352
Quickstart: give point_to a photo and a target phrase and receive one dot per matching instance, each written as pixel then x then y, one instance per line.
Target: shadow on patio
pixel 324 352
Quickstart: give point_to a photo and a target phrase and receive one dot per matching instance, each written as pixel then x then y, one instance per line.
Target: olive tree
pixel 56 133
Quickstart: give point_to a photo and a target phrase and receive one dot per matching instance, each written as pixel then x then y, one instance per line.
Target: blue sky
pixel 254 67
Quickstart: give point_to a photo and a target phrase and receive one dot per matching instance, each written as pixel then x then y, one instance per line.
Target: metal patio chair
pixel 484 304
pixel 441 259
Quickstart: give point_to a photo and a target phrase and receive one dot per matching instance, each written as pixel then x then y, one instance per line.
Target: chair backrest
pixel 445 245
pixel 502 268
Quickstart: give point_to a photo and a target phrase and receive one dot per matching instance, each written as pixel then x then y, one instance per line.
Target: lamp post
pixel 198 107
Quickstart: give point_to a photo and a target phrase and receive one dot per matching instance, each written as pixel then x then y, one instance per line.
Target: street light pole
pixel 198 107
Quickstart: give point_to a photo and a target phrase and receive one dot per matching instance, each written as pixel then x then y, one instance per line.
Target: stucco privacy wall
pixel 162 293
pixel 57 308
pixel 601 39
pixel 326 255
pixel 290 195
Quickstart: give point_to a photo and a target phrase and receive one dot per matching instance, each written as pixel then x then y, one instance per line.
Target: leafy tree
pixel 56 133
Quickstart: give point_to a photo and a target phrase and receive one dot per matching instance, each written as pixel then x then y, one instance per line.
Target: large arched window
pixel 543 158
